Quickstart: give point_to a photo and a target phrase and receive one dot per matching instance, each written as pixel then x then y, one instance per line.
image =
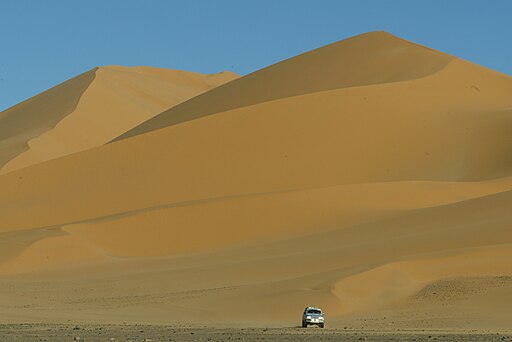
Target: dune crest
pixel 371 58
pixel 108 101
pixel 18 124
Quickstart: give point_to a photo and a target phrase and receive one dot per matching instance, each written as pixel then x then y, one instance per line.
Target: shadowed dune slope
pixel 91 109
pixel 356 190
pixel 33 117
pixel 371 58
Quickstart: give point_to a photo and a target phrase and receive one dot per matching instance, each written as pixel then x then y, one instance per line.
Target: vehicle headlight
pixel 308 317
pixel 321 318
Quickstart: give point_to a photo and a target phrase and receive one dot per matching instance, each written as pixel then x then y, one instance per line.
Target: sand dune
pixel 355 177
pixel 92 108
pixel 19 124
pixel 373 58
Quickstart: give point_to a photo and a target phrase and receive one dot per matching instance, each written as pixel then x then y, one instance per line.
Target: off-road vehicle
pixel 313 316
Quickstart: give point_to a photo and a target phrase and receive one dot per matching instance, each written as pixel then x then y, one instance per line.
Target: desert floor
pixel 47 332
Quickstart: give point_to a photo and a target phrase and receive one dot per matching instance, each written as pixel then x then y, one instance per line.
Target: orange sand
pixel 356 177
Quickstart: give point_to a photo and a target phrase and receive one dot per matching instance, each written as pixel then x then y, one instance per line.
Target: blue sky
pixel 43 43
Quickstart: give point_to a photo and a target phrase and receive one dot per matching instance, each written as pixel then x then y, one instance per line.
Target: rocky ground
pixel 46 332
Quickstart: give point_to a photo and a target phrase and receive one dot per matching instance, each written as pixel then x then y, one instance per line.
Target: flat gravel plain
pixel 150 333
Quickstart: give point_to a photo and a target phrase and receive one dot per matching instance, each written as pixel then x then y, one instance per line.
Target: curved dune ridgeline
pixel 19 123
pixel 92 108
pixel 372 58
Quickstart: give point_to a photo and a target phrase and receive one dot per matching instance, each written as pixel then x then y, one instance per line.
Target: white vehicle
pixel 313 316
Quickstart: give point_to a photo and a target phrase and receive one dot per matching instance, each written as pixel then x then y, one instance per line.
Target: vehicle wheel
pixel 321 325
pixel 304 325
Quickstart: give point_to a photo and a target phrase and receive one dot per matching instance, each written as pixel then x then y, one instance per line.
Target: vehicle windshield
pixel 314 312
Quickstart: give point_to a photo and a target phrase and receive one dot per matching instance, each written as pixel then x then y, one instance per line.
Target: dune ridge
pixel 374 58
pixel 19 125
pixel 107 101
pixel 355 177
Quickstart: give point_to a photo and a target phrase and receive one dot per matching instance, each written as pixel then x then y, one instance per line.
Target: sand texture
pixel 371 177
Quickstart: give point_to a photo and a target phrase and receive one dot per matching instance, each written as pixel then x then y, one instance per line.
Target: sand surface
pixel 371 177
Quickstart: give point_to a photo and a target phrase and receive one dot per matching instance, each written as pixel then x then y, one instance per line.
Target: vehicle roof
pixel 312 308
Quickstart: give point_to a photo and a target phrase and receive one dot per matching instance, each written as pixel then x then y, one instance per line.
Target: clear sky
pixel 43 43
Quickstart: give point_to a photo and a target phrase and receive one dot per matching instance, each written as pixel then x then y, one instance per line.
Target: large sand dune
pixel 356 177
pixel 359 61
pixel 91 109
